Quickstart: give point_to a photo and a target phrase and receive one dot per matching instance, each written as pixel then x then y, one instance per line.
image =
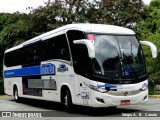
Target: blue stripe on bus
pixel 106 85
pixel 45 69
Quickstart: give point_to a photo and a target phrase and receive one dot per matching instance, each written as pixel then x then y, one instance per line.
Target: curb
pixel 154 96
pixel 5 96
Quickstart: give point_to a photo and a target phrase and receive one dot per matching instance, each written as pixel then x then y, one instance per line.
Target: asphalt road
pixel 58 111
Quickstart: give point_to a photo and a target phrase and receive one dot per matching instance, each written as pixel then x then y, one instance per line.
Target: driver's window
pixel 81 60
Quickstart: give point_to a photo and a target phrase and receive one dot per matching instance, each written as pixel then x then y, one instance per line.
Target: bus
pixel 84 64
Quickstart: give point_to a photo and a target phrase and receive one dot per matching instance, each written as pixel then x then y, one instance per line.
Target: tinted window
pixel 11 58
pixel 54 48
pixel 81 60
pixel 74 35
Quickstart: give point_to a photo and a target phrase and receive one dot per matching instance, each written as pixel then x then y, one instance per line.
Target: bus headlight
pixel 99 89
pixel 144 87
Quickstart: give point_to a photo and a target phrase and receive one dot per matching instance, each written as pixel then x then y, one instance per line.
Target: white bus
pixel 79 64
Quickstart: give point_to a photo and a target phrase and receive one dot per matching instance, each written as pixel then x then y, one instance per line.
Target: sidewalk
pixel 4 96
pixel 154 96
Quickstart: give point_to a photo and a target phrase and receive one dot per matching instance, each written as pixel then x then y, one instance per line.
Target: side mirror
pixel 89 44
pixel 152 46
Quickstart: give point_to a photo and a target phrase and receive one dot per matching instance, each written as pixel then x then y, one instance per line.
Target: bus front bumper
pixel 106 100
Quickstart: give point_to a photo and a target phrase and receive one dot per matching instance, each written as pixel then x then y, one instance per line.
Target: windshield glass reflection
pixel 118 57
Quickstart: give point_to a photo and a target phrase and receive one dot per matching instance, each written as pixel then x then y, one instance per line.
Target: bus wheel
pixel 16 97
pixel 68 101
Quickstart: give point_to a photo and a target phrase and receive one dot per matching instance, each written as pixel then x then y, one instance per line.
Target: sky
pixel 147 1
pixel 11 6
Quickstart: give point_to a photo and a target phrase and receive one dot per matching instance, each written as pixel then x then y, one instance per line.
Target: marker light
pixel 90 37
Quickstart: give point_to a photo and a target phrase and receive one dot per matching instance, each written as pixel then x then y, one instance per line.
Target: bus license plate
pixel 125 102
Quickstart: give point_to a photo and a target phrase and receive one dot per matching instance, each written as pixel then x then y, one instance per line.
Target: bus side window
pixel 11 58
pixel 53 48
pixel 62 49
pixel 8 59
pixel 56 48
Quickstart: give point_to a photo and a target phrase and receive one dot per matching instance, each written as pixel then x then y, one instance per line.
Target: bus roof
pixel 86 27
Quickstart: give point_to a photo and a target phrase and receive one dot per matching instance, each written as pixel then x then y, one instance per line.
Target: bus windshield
pixel 118 57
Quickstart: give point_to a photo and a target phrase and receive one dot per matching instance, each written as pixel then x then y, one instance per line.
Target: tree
pixel 149 29
pixel 19 27
pixel 14 32
pixel 116 12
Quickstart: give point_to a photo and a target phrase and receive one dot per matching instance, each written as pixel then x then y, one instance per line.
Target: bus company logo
pixel 47 69
pixel 125 93
pixel 62 68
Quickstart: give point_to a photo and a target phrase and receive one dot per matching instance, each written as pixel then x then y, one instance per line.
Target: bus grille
pixel 130 93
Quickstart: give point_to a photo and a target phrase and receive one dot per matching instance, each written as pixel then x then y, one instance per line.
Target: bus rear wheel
pixel 68 101
pixel 15 94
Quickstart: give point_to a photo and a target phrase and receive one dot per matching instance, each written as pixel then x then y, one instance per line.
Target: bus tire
pixel 15 94
pixel 68 101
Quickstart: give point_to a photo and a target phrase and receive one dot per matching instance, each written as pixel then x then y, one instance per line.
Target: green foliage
pixel 117 12
pixel 152 91
pixel 149 29
pixel 17 27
